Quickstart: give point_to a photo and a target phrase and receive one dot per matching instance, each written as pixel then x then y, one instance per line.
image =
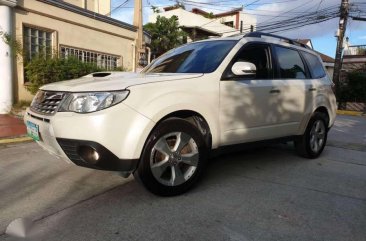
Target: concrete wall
pixel 98 6
pixel 103 7
pixel 246 18
pixel 79 3
pixel 70 29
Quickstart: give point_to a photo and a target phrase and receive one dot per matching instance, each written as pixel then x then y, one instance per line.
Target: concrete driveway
pixel 264 194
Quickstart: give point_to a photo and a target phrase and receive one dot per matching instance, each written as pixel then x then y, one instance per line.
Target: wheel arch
pixel 305 121
pixel 324 110
pixel 193 117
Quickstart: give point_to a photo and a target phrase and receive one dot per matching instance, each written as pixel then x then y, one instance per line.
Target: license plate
pixel 33 130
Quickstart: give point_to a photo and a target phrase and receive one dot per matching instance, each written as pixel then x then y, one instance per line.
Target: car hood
pixel 114 81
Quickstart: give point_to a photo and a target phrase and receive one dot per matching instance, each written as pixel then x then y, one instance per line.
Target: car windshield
pixel 200 57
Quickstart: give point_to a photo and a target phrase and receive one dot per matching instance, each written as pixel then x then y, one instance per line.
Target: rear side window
pixel 315 66
pixel 290 63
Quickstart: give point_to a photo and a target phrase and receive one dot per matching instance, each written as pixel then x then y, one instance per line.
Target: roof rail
pixel 288 40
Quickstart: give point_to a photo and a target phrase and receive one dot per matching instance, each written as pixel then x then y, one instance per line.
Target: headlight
pixel 92 101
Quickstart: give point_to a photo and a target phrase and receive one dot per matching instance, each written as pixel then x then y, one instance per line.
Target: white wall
pixel 246 18
pixel 190 19
pixel 6 61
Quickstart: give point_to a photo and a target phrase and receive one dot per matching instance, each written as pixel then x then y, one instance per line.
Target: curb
pixel 349 112
pixel 12 140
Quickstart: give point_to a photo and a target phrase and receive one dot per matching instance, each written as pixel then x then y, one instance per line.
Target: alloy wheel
pixel 174 158
pixel 317 136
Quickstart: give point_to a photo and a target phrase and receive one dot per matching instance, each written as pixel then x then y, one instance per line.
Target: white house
pixel 200 24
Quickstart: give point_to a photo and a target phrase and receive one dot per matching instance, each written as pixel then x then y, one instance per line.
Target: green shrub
pixel 354 89
pixel 40 71
pixel 357 85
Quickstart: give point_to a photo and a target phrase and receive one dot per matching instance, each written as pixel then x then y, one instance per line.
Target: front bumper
pixel 106 159
pixel 117 134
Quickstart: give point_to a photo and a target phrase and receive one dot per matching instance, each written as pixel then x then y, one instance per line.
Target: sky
pixel 321 34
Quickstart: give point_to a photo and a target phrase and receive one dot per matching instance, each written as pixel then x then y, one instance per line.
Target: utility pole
pixel 341 32
pixel 139 47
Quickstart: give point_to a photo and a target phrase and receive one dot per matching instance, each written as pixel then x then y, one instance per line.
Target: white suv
pixel 164 123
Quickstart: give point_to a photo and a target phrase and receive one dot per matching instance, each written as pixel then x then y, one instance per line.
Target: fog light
pixel 89 154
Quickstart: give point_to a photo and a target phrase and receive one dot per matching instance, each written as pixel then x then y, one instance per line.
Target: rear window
pixel 290 63
pixel 315 66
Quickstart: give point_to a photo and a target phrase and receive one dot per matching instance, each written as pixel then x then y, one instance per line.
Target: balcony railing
pixel 356 50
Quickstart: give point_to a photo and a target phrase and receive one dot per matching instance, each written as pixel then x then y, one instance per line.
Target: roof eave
pixel 88 13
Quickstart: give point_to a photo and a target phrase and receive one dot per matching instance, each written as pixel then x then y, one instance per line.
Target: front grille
pixel 47 102
pixel 39 118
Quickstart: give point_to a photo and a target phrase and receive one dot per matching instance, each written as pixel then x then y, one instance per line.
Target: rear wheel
pixel 173 158
pixel 312 143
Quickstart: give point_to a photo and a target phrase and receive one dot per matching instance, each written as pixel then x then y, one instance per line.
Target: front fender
pixel 155 101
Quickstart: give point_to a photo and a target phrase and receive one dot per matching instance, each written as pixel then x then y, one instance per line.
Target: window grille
pixel 37 42
pixel 105 61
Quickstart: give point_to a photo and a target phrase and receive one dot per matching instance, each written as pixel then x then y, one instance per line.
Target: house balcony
pixel 354 58
pixel 355 50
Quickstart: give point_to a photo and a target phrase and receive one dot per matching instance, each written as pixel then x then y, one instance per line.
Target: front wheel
pixel 312 142
pixel 173 158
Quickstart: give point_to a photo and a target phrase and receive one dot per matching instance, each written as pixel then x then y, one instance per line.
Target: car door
pixel 249 105
pixel 315 87
pixel 296 98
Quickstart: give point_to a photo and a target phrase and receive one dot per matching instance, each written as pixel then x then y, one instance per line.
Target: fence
pixel 353 106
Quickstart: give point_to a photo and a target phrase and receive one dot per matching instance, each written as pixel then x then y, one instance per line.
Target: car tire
pixel 173 159
pixel 312 142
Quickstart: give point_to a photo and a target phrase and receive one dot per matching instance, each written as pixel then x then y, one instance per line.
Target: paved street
pixel 264 194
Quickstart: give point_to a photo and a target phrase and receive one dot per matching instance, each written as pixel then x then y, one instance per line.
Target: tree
pixel 357 86
pixel 211 15
pixel 155 9
pixel 354 88
pixel 165 34
pixel 14 44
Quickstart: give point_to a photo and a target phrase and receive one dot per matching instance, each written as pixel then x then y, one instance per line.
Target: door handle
pixel 275 91
pixel 312 89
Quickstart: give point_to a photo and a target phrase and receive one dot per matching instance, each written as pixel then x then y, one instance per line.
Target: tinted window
pixel 201 57
pixel 259 56
pixel 315 66
pixel 290 64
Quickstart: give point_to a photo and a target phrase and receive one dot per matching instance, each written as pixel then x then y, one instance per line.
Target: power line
pixel 294 19
pixel 298 21
pixel 289 10
pixel 320 3
pixel 251 3
pixel 286 1
pixel 117 7
pixel 323 14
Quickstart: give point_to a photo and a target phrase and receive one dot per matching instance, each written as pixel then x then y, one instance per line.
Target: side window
pixel 290 63
pixel 258 55
pixel 315 66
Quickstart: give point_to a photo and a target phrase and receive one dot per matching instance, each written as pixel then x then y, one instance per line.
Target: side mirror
pixel 243 68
